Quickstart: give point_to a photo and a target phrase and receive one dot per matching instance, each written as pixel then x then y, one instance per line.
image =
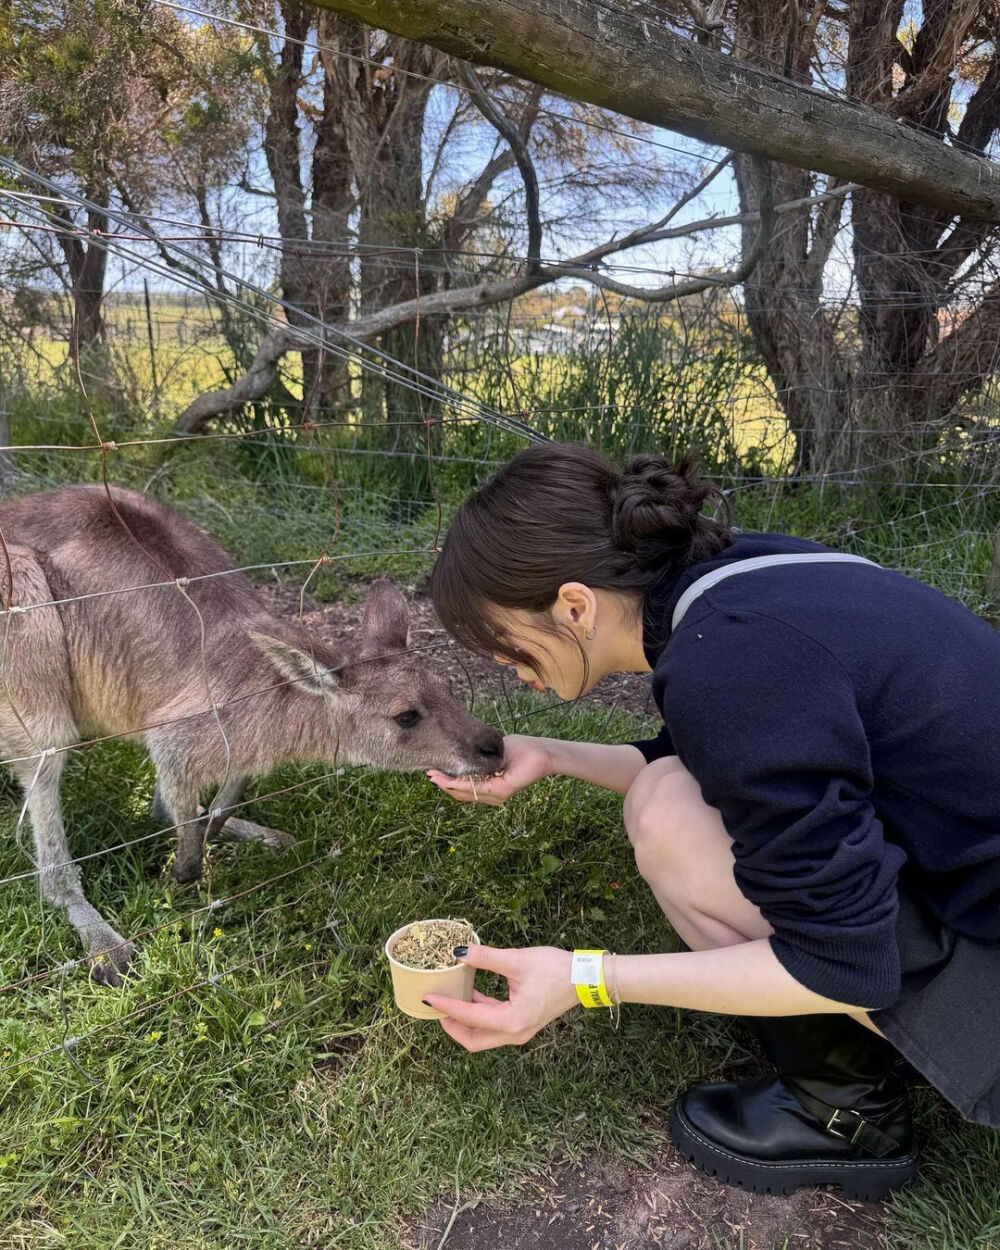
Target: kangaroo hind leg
pixel 59 875
pixel 36 722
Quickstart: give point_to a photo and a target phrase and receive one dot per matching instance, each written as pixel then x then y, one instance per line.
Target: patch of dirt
pixel 670 1206
pixel 473 678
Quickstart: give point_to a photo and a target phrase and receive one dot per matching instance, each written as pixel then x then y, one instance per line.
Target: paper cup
pixel 411 985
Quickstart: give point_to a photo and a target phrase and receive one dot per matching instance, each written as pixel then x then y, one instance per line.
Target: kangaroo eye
pixel 406 720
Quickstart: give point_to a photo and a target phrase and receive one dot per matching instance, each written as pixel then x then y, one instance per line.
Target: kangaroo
pixel 217 694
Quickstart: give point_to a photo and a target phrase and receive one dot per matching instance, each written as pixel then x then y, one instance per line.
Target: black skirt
pixel 946 1021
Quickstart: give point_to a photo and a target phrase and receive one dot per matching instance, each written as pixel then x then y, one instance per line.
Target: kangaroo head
pixel 383 705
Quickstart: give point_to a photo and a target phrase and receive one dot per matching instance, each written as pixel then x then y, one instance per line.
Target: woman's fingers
pixel 539 985
pixel 481 1039
pixel 475 1040
pixel 493 791
pixel 486 1013
pixel 505 960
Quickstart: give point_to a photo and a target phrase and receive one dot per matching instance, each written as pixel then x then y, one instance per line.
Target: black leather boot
pixel 835 1114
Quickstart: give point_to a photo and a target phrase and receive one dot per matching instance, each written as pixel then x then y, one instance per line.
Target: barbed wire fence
pixel 489 407
pixel 109 454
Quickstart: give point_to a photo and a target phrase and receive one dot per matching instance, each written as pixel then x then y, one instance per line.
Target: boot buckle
pixel 847 1136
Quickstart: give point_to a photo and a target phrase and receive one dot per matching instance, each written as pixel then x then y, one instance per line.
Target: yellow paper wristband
pixel 587 974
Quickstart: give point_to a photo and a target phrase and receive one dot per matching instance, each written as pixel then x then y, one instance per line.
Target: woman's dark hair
pixel 563 513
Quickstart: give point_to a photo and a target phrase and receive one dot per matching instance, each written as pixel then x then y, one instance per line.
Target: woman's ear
pixel 576 606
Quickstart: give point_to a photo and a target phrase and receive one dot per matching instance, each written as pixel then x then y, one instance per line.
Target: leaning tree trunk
pixel 784 292
pixel 332 205
pixel 906 255
pixel 790 327
pixel 87 268
pixel 384 120
pixel 315 280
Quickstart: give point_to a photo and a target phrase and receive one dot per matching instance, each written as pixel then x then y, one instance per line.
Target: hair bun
pixel 656 509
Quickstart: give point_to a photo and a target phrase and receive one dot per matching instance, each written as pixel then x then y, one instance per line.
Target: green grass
pixel 290 1093
pixel 274 495
pixel 254 1085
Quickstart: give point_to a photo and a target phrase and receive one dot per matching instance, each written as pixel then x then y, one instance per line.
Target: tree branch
pixel 619 60
pixel 470 201
pixel 825 231
pixel 940 63
pixel 649 234
pixel 499 120
pixel 257 381
pixel 740 219
pixel 678 290
pixel 261 375
pixel 960 362
pixel 982 114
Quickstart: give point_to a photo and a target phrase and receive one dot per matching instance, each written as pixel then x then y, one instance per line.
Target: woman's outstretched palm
pixel 526 760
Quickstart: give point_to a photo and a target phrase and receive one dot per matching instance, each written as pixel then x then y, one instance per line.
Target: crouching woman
pixel 818 818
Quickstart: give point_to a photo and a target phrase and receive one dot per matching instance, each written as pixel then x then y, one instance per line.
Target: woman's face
pixel 552 660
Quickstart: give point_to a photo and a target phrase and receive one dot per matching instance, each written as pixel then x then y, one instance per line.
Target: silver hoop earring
pixel 590 634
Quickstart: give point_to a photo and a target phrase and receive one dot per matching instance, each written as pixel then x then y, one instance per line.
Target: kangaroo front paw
pixel 110 957
pixel 238 830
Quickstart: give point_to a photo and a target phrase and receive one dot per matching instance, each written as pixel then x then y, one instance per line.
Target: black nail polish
pixel 427 1004
pixel 459 951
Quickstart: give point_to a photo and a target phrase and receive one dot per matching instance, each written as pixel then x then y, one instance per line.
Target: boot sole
pixel 865 1180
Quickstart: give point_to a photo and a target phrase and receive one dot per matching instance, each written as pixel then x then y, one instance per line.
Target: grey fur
pixel 133 664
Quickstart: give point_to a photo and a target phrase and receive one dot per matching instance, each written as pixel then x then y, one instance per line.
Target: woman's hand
pixel 539 990
pixel 526 760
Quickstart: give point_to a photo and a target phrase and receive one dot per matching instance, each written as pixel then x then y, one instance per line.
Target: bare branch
pixel 678 290
pixel 825 231
pixel 165 254
pixel 257 381
pixel 504 126
pixel 961 361
pixel 740 219
pixel 471 200
pixel 261 375
pixel 648 234
pixel 941 62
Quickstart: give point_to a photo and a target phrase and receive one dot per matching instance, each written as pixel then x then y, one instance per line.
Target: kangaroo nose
pixel 490 746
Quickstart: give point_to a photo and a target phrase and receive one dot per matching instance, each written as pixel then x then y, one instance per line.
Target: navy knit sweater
pixel 844 721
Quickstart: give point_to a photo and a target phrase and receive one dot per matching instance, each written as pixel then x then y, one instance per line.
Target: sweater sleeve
pixel 766 720
pixel 656 748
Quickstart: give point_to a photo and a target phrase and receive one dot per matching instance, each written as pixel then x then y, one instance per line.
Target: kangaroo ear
pixel 295 665
pixel 384 624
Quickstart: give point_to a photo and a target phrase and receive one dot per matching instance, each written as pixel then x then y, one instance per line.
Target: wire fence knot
pixel 182 583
